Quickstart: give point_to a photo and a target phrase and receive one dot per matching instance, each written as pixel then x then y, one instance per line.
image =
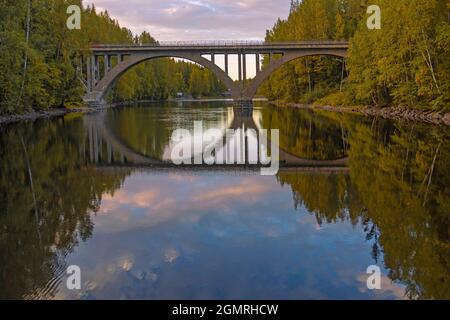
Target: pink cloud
pixel 197 19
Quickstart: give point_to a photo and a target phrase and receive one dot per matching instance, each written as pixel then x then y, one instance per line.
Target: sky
pixel 171 20
pixel 190 20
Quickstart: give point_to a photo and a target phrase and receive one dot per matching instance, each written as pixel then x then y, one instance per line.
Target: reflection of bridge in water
pixel 119 154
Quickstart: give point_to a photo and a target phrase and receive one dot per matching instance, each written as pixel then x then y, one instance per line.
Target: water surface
pixel 82 190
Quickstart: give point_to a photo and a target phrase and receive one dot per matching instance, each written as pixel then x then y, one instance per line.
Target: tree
pixel 196 83
pixel 404 63
pixel 42 61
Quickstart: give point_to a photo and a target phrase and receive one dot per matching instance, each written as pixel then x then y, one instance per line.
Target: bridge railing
pixel 220 43
pixel 212 43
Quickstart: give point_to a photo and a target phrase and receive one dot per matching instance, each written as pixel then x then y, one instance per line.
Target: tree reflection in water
pixel 36 236
pixel 398 187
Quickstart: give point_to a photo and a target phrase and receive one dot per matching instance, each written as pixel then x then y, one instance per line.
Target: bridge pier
pixel 245 106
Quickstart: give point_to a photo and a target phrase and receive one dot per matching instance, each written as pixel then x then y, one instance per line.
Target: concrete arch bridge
pixel 117 59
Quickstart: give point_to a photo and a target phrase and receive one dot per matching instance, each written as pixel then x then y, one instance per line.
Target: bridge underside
pixel 99 80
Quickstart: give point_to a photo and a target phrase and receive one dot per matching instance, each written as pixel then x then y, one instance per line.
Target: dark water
pixel 79 191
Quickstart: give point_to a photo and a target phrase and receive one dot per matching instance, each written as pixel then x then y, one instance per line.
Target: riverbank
pixel 43 114
pixel 52 113
pixel 391 113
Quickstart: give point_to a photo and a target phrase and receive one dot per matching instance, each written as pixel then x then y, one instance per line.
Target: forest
pixel 41 58
pixel 405 63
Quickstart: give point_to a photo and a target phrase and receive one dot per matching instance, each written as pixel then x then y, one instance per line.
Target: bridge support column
pixel 240 66
pixel 258 63
pixel 93 74
pixel 244 65
pixel 97 69
pixel 106 63
pixel 226 64
pixel 213 58
pixel 88 75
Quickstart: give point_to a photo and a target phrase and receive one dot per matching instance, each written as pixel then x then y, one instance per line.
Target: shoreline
pixel 389 113
pixel 34 115
pixel 44 114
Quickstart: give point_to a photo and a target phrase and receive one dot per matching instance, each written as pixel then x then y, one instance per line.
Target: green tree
pixel 196 83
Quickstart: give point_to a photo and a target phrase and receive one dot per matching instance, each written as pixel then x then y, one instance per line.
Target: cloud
pixel 142 199
pixel 196 19
pixel 388 288
pixel 143 204
pixel 246 191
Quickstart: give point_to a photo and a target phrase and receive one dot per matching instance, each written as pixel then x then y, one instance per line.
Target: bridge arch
pixel 250 92
pixel 107 82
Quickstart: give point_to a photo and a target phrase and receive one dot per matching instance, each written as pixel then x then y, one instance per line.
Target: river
pixel 81 190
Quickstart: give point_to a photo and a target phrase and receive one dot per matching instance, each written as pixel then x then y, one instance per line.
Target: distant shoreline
pixel 58 112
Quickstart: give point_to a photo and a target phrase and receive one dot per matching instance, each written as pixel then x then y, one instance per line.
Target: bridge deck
pixel 220 46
